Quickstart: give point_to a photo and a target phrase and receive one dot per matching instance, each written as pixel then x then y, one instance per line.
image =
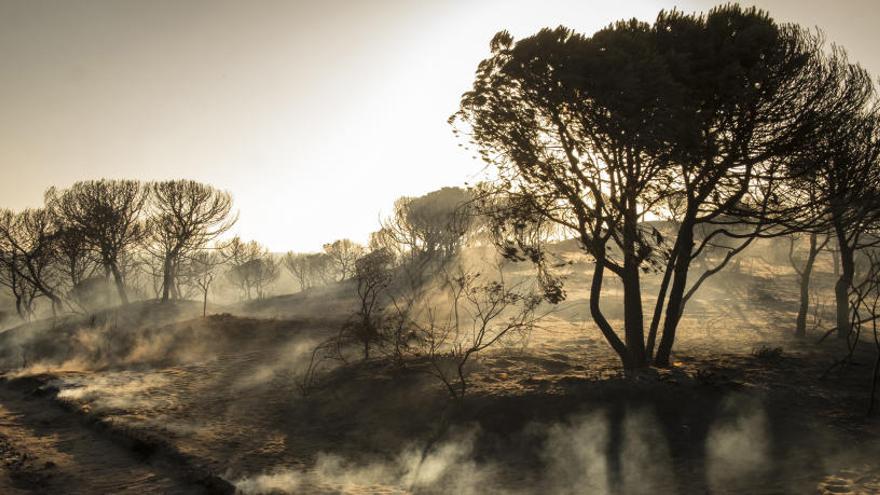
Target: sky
pixel 315 115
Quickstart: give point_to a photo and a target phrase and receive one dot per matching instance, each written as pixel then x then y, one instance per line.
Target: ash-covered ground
pixel 154 398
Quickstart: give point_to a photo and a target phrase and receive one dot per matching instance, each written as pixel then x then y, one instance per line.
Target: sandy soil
pixel 46 449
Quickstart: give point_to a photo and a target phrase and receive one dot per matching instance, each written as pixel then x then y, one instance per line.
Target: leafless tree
pixel 343 253
pixel 201 269
pixel 848 178
pixel 75 258
pixel 22 292
pixel 187 215
pixel 424 235
pixel 866 314
pixel 433 226
pixel 309 269
pixel 107 213
pixel 28 247
pixel 252 268
pixel 373 273
pixel 470 313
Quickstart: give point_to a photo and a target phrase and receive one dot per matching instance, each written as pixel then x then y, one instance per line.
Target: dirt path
pixel 46 449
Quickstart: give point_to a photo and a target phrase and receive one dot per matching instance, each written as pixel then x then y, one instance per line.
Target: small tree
pixel 202 270
pixel 252 268
pixel 849 184
pixel 308 269
pixel 343 253
pixel 804 270
pixel 373 273
pixel 467 315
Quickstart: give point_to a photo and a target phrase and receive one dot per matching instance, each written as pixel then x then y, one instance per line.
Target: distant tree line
pixel 158 239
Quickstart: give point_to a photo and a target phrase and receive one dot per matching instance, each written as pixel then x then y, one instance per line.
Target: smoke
pixel 575 455
pixel 446 467
pixel 296 355
pixel 601 451
pixel 647 466
pixel 737 446
pixel 112 391
pixel 280 482
pixel 598 453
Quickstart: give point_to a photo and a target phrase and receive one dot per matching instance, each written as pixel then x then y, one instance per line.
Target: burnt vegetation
pixel 645 183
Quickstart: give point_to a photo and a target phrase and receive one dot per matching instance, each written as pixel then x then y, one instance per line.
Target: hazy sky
pixel 316 115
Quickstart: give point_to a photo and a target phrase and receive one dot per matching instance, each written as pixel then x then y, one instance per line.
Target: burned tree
pixel 298 266
pixel 804 270
pixel 187 215
pixel 107 213
pixel 74 257
pixel 343 253
pixel 466 313
pixel 309 269
pixel 201 268
pixel 432 226
pixel 28 255
pixel 252 268
pixel 849 181
pixel 425 235
pixel 834 179
pixel 373 273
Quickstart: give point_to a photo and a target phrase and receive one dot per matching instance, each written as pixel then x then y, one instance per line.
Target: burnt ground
pixel 192 405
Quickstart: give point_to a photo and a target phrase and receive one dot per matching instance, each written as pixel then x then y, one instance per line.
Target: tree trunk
pixel 167 279
pixel 674 307
pixel 806 274
pixel 120 285
pixel 633 318
pixel 835 254
pixel 634 333
pixel 841 294
pixel 596 313
pixel 658 309
pixel 846 256
pixel 205 303
pixel 18 306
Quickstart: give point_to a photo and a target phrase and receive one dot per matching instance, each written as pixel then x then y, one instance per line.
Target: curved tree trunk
pixel 597 315
pixel 805 275
pixel 167 279
pixel 674 306
pixel 120 284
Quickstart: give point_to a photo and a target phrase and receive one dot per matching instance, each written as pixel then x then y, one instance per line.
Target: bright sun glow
pixel 315 115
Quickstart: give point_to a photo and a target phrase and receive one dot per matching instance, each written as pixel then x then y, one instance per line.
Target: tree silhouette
pixel 107 213
pixel 343 253
pixel 844 168
pixel 187 215
pixel 252 267
pixel 28 247
pixel 309 269
pixel 684 120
